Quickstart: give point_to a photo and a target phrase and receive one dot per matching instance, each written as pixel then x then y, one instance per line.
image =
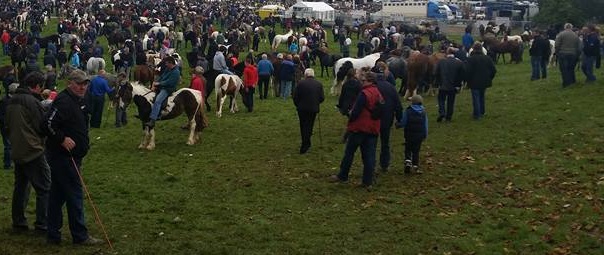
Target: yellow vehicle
pixel 270 10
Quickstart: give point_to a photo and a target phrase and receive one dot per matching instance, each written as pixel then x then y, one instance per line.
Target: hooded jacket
pixel 24 116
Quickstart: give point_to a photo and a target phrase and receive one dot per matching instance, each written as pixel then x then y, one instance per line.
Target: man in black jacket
pixel 392 108
pixel 307 98
pixel 24 114
pixel 540 51
pixel 449 74
pixel 67 144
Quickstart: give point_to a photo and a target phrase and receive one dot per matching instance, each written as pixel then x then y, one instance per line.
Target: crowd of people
pixel 45 132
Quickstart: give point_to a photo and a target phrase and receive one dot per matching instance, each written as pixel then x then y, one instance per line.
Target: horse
pixel 144 74
pixel 398 66
pixel 497 48
pixel 326 60
pixel 375 43
pixel 95 64
pixel 261 32
pixel 227 85
pixel 417 69
pixel 281 38
pixel 69 38
pixel 184 100
pixel 191 36
pixel 17 54
pixel 367 61
pixel 21 20
pixel 155 30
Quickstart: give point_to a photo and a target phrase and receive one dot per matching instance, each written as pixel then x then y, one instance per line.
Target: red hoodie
pixel 5 38
pixel 250 76
pixel 198 84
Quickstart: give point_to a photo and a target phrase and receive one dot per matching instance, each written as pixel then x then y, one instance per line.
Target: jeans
pixel 5 48
pixel 385 144
pixel 286 89
pixel 368 144
pixel 159 100
pixel 7 147
pixel 478 103
pixel 96 112
pixel 263 81
pixel 307 122
pixel 588 67
pixel 66 188
pixel 567 63
pixel 36 172
pixel 412 147
pixel 226 71
pixel 121 118
pixel 538 67
pixel 448 97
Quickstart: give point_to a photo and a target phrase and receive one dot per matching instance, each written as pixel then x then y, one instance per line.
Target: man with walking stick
pixel 307 98
pixel 67 144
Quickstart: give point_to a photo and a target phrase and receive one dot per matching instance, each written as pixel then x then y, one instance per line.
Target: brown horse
pixel 417 69
pixel 496 48
pixel 144 74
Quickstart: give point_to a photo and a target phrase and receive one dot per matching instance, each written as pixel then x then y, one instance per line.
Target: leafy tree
pixel 577 12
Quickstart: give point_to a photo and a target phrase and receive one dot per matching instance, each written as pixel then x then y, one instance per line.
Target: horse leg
pixel 144 140
pixel 192 126
pixel 151 144
pixel 219 102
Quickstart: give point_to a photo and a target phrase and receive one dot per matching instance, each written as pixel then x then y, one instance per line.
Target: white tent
pixel 318 10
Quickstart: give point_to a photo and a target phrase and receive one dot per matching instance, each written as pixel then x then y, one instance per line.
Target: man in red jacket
pixel 363 130
pixel 250 79
pixel 5 38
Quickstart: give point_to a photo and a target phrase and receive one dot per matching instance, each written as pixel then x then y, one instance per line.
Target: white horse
pixel 375 43
pixel 510 38
pixel 21 20
pixel 281 38
pixel 155 30
pixel 226 84
pixel 367 61
pixel 95 64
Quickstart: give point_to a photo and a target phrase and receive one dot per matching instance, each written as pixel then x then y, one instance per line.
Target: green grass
pixel 527 179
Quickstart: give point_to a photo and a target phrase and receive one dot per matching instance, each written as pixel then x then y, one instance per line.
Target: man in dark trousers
pixel 99 86
pixel 24 114
pixel 540 51
pixel 67 144
pixel 307 98
pixel 449 74
pixel 392 108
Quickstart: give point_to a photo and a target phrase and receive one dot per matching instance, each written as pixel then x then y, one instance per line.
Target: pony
pixel 375 43
pixel 261 32
pixel 281 38
pixel 185 100
pixel 367 61
pixel 227 85
pixel 326 60
pixel 95 64
pixel 144 74
pixel 497 48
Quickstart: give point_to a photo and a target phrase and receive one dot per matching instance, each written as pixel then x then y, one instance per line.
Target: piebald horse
pixel 227 85
pixel 184 100
pixel 367 61
pixel 281 38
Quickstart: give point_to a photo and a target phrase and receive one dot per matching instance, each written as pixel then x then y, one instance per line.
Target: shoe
pixel 304 150
pixel 417 170
pixel 440 119
pixel 334 178
pixel 90 241
pixel 367 187
pixel 407 166
pixel 384 169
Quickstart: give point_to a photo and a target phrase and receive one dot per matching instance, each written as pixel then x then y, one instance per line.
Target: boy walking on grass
pixel 415 124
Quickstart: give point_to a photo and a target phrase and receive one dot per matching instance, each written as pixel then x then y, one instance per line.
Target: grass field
pixel 527 179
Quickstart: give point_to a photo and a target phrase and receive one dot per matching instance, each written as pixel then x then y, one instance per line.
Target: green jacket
pixel 24 116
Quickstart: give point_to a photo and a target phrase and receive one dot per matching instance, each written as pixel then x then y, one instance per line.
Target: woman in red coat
pixel 250 79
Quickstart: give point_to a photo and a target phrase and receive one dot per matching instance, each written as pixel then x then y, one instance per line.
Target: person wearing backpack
pixel 363 128
pixel 415 124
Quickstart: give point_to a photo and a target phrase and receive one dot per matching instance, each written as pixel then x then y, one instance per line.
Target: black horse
pixel 17 55
pixel 326 60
